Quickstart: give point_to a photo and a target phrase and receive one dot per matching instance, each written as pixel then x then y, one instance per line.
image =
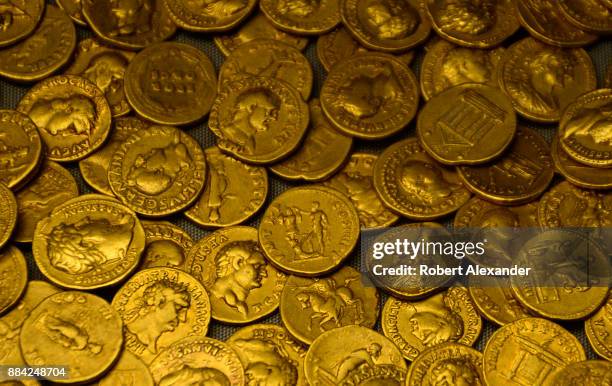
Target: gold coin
pixel 205 360
pixel 577 173
pixel 565 205
pixel 445 362
pixel 517 350
pixel 309 231
pixel 129 24
pixel 14 276
pixel 370 96
pixel 354 355
pixel 412 184
pixel 592 16
pixel 158 171
pixel 302 17
pixel 72 116
pixel 105 67
pixel 171 84
pixel 481 25
pixel 20 147
pixel 495 300
pixel 542 80
pixel 129 370
pixel 584 131
pixel 19 20
pixel 94 168
pixel 257 27
pixel 8 214
pixel 53 186
pixel 209 16
pixel 587 373
pixel 545 21
pixel 44 52
pixel 519 176
pixel 269 355
pixel 74 9
pixel 597 329
pixel 259 120
pixel 390 26
pixel 323 151
pixel 232 267
pixel 88 242
pixel 268 58
pixel 166 245
pixel 234 191
pixel 415 326
pixel 312 306
pixel 467 124
pixel 160 306
pixel 356 181
pixel 77 329
pixel 446 65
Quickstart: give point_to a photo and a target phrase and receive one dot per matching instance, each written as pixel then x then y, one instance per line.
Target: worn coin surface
pixel 587 373
pixel 542 80
pixel 259 120
pixel 77 329
pixel 597 329
pixel 72 116
pixel 309 231
pixel 19 19
pixel 160 306
pixel 129 370
pixel 74 9
pixel 166 245
pixel 578 173
pixel 8 214
pixel 412 184
pixel 446 361
pixel 234 191
pixel 14 276
pixel 209 16
pixel 20 148
pixel 158 171
pixel 589 15
pixel 311 306
pixel 495 300
pixel 231 265
pixel 44 52
pixel 370 96
pixel 302 17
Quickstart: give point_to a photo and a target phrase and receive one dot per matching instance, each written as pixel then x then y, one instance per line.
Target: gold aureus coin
pixel 517 350
pixel 72 116
pixel 584 130
pixel 53 186
pixel 597 329
pixel 577 173
pixel 21 148
pixel 66 253
pixel 391 25
pixel 545 21
pixel 206 359
pixel 160 306
pixel 339 357
pixel 370 96
pixel 565 205
pixel 257 27
pixel 302 17
pixel 542 80
pixel 593 16
pixel 129 370
pixel 74 9
pixel 14 276
pixel 587 373
pixel 347 299
pixel 467 124
pixel 234 191
pixel 446 360
pixel 309 231
pixel 415 326
pixel 495 300
pixel 44 52
pixel 481 25
pixel 19 19
pixel 77 329
pixel 232 267
pixel 171 84
pixel 166 245
pixel 268 58
pixel 105 67
pixel 269 355
pixel 322 153
pixel 259 120
pixel 8 214
pixel 411 183
pixel 158 171
pixel 209 16
pixel 446 65
pixel 129 24
pixel 519 176
pixel 94 168
pixel 356 181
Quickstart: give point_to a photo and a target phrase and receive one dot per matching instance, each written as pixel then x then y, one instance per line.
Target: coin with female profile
pixel 74 9
pixel 577 173
pixel 166 245
pixel 209 15
pixel 446 361
pixel 302 17
pixel 589 15
pixel 19 19
pixel 13 276
pixel 20 148
pixel 370 96
pixel 8 214
pixel 597 328
pixel 587 373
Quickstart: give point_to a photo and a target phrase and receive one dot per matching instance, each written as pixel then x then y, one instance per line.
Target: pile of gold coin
pixel 131 297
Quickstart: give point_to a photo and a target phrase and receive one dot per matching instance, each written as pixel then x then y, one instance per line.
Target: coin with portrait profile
pixel 160 306
pixel 14 276
pixel 21 148
pixel 589 15
pixel 166 245
pixel 74 9
pixel 597 328
pixel 588 373
pixel 579 174
pixel 302 17
pixel 19 20
pixel 446 361
pixel 8 214
pixel 210 16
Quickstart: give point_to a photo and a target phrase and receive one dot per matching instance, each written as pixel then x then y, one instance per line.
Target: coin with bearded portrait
pixel 209 15
pixel 19 19
pixel 302 17
pixel 446 361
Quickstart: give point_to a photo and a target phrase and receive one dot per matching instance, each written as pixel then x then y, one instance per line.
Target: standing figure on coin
pixel 218 186
pixel 131 16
